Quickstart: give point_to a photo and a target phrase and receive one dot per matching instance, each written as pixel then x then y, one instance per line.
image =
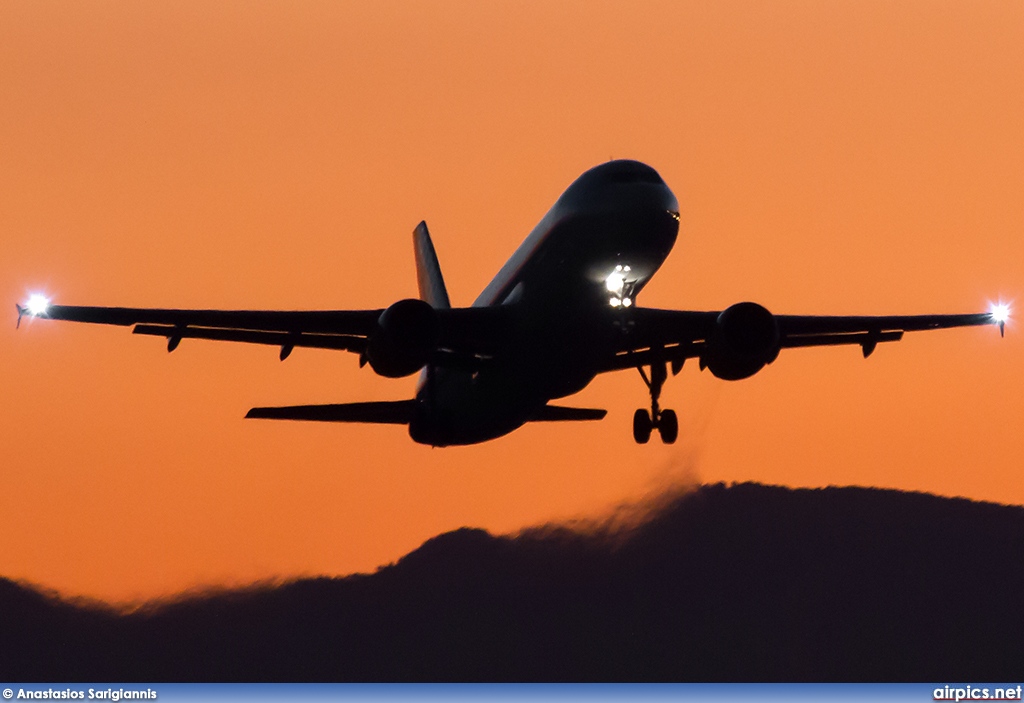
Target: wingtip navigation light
pixel 36 306
pixel 1000 313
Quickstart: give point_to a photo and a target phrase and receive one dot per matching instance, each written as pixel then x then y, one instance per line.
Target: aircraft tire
pixel 668 426
pixel 642 426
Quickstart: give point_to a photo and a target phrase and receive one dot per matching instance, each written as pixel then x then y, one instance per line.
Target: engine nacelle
pixel 745 338
pixel 405 337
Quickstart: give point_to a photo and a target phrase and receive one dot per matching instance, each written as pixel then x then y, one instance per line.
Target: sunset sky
pixel 847 157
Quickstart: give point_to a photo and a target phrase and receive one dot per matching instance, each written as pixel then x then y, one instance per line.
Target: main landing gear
pixel 665 421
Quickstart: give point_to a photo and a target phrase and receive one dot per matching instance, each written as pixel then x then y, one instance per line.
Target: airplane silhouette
pixel 560 311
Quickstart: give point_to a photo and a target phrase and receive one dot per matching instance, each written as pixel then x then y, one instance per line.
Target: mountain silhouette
pixel 725 583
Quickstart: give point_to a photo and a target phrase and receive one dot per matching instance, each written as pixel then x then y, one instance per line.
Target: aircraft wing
pixel 676 335
pixel 328 329
pixel 817 331
pixel 465 335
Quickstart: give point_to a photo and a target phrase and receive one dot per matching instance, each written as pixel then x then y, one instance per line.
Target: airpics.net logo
pixel 977 693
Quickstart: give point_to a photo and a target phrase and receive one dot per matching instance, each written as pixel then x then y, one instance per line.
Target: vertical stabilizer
pixel 428 271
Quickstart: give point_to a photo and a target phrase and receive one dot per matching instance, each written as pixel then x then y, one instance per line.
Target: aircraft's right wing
pixel 327 329
pixel 465 335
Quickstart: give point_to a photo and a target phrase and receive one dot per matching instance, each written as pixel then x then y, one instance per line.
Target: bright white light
pixel 1000 312
pixel 614 302
pixel 37 304
pixel 615 282
pixel 626 302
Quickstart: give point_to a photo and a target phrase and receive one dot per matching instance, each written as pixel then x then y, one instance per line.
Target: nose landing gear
pixel 665 421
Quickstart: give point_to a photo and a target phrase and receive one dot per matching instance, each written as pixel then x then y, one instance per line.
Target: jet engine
pixel 405 337
pixel 745 338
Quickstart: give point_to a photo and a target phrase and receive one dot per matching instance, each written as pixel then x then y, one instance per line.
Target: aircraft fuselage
pixel 581 266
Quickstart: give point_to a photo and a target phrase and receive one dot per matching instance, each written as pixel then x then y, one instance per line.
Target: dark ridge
pixel 740 583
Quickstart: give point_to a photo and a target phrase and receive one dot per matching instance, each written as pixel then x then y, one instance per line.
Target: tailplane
pixel 561 413
pixel 387 412
pixel 428 271
pixel 400 412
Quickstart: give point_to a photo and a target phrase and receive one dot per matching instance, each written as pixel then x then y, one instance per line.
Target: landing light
pixel 619 287
pixel 615 282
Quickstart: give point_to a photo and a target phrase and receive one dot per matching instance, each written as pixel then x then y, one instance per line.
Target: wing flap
pixel 285 340
pixel 348 322
pixel 674 354
pixel 829 340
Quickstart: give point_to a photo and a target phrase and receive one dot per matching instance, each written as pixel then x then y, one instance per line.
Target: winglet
pixel 21 313
pixel 428 271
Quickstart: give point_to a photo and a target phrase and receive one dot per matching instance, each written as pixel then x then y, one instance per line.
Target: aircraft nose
pixel 617 184
pixel 628 171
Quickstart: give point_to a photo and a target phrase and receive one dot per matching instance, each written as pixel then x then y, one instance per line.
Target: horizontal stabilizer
pixel 559 413
pixel 388 412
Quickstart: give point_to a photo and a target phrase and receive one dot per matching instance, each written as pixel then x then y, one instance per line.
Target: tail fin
pixel 428 271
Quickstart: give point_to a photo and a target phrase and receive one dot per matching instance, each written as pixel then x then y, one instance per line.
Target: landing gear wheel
pixel 668 426
pixel 642 426
pixel 664 420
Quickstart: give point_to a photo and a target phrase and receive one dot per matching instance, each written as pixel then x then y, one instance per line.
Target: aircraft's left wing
pixel 652 335
pixel 817 331
pixel 328 329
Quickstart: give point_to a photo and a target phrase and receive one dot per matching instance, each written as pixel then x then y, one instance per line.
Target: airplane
pixel 560 311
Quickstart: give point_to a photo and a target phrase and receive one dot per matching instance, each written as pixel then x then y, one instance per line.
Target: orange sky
pixel 829 157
